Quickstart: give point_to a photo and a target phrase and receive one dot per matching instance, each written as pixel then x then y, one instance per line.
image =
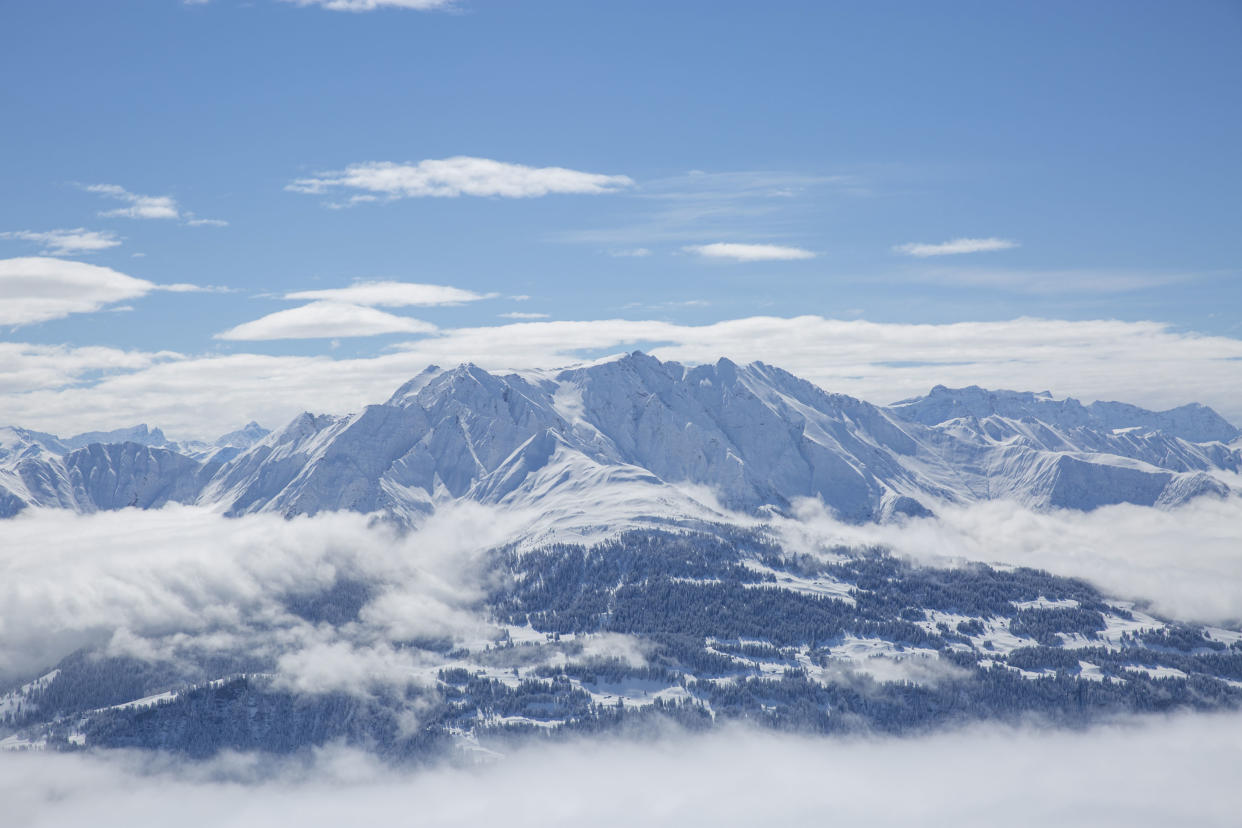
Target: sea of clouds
pixel 183 582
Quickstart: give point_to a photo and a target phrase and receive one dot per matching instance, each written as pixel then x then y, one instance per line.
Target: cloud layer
pixel 1146 363
pixel 457 176
pixel 372 5
pixel 1155 772
pixel 185 582
pixel 1176 559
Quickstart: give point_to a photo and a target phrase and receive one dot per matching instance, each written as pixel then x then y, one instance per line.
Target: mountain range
pixel 644 436
pixel 636 596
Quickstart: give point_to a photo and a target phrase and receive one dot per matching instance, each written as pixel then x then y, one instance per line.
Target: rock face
pixel 638 429
pixel 129 474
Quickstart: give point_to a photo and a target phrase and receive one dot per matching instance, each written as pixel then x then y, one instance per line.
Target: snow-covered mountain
pixel 1194 423
pixel 645 437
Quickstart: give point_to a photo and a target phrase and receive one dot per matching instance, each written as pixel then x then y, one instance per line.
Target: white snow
pixel 819 585
pixel 1157 672
pixel 10 701
pixel 1045 603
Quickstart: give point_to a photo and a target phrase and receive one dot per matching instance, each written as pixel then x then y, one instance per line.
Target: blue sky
pixel 715 162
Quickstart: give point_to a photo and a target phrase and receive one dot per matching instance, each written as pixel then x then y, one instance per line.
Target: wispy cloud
pixel 669 305
pixel 522 315
pixel 37 289
pixel 148 207
pixel 394 294
pixel 700 185
pixel 325 320
pixel 749 252
pixel 1141 772
pixel 182 287
pixel 1045 282
pixel 457 176
pixel 373 5
pixel 140 206
pixel 701 206
pixel 954 247
pixel 630 253
pixel 67 242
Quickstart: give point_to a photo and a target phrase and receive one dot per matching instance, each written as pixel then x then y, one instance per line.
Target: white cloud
pixel 630 253
pixel 394 294
pixel 183 287
pixel 1176 559
pixel 372 5
pixel 35 289
pixel 954 247
pixel 337 666
pixel 140 206
pixel 24 367
pixel 326 320
pixel 149 207
pixel 749 252
pixel 67 242
pixel 1146 363
pixel 1139 773
pixel 185 579
pixel 523 315
pixel 457 176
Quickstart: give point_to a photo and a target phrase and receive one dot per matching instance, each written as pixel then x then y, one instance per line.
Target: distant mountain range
pixel 643 436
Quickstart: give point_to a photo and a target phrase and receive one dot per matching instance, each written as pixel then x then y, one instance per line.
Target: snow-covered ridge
pixel 1193 422
pixel 644 438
